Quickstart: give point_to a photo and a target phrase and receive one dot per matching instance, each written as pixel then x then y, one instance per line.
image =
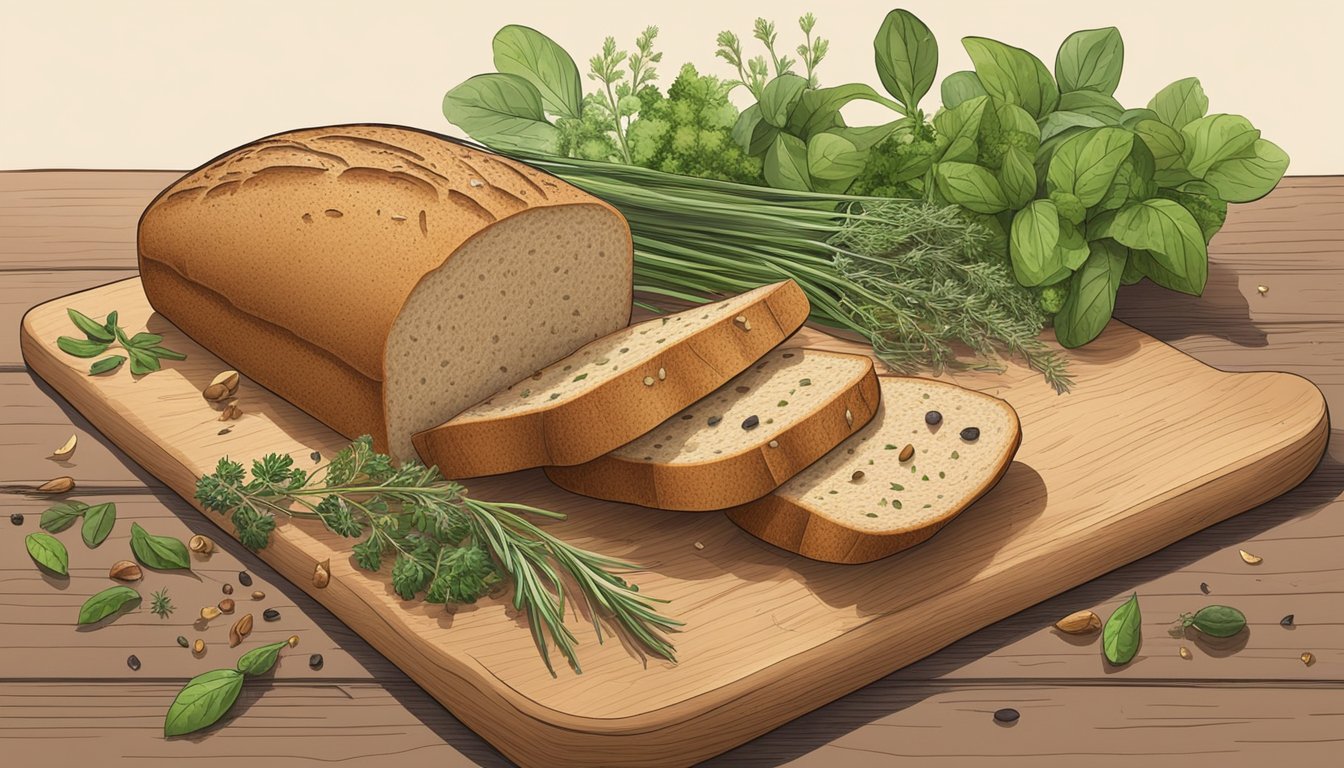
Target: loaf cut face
pixel 874 496
pixel 383 278
pixel 616 388
pixel 742 441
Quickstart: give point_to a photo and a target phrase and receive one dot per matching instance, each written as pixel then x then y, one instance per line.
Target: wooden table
pixel 68 697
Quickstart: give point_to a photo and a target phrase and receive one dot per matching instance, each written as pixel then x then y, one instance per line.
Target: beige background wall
pixel 168 83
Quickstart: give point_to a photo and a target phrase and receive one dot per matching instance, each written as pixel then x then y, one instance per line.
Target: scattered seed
pixel 316 456
pixel 1079 623
pixel 1287 621
pixel 804 382
pixel 245 578
pixel 226 605
pixel 857 476
pixel 933 418
pixel 322 574
pixel 315 661
pixel 687 416
pixel 849 418
pixel 124 570
pixel 270 614
pixel 67 450
pixel 201 545
pixel 956 455
pixel 1307 658
pixel 198 647
pixel 258 595
pixel 293 641
pixel 907 453
pixel 751 422
pixel 476 183
pixel 133 662
pixel 714 420
pixel 742 390
pixel 240 630
pixel 182 641
pixel 224 431
pixel 601 361
pixel 16 518
pixel 970 434
pixel 1006 715
pixel 699 545
pixel 1262 289
pixel 773 443
pixel 662 374
pixel 648 381
pixel 227 588
pixel 1185 652
pixel 871 514
pixel 57 485
pixel 210 612
pixel 1204 587
pixel 1248 558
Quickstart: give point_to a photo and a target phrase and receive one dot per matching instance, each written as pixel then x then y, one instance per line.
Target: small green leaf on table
pixel 81 347
pixel 159 552
pixel 62 515
pixel 107 364
pixel 203 701
pixel 98 522
pixel 94 330
pixel 48 552
pixel 1122 635
pixel 106 603
pixel 259 661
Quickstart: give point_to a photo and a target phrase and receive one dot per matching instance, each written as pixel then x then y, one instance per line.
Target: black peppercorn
pixel 315 661
pixel 245 578
pixel 1006 715
pixel 182 641
pixel 270 614
pixel 970 434
pixel 16 518
pixel 1287 621
pixel 713 420
pixel 751 422
pixel 133 662
pixel 933 418
pixel 315 456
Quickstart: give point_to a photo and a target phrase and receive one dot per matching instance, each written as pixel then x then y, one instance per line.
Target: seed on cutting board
pixel 970 434
pixel 270 614
pixel 226 605
pixel 773 443
pixel 1308 658
pixel 245 578
pixel 1006 715
pixel 1287 621
pixel 1248 558
pixel 133 662
pixel 933 418
pixel 224 431
pixel 210 612
pixel 751 422
pixel 662 374
pixel 648 381
pixel 316 456
pixel 16 518
pixel 61 484
pixel 857 476
pixel 907 453
pixel 198 647
pixel 1185 652
pixel 124 570
pixel 182 641
pixel 322 574
pixel 315 661
pixel 227 588
pixel 849 418
pixel 713 420
pixel 258 595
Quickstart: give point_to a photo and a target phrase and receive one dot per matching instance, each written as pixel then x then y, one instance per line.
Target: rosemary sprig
pixel 444 544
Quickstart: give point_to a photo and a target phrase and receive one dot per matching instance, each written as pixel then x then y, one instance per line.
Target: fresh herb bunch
pixel 143 348
pixel 442 543
pixel 160 604
pixel 689 131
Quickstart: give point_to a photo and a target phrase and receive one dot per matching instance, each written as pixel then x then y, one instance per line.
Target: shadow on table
pixel 1222 311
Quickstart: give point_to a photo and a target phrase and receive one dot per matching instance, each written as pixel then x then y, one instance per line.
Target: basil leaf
pixel 1181 102
pixel 164 553
pixel 866 137
pixel 971 186
pixel 48 552
pixel 202 701
pixel 1214 139
pixel 1035 233
pixel 1091 298
pixel 906 55
pixel 1121 637
pixel 1017 176
pixel 785 164
pixel 1013 75
pixel 1171 236
pixel 529 54
pixel 81 347
pixel 779 96
pixel 142 362
pixel 502 111
pixel 62 515
pixel 832 158
pixel 1091 60
pixel 110 324
pixel 259 661
pixel 110 363
pixel 1073 248
pixel 1086 164
pixel 98 522
pixel 1132 117
pixel 1165 143
pixel 95 331
pixel 957 129
pixel 960 87
pixel 1133 180
pixel 1250 175
pixel 106 603
pixel 166 354
pixel 1201 199
pixel 818 109
pixel 752 133
pixel 145 341
pixel 1056 123
pixel 1097 105
pixel 1133 272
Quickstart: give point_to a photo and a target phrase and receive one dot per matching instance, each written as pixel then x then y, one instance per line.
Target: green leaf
pixel 1133 181
pixel 1167 231
pixel 1097 105
pixel 906 55
pixel 1181 102
pixel 779 97
pixel 960 87
pixel 408 576
pixel 1091 60
pixel 109 363
pixel 48 552
pixel 98 522
pixel 1057 123
pixel 818 109
pixel 529 54
pixel 164 353
pixel 752 133
pixel 1013 75
pixel 502 111
pixel 971 186
pixel 259 661
pixel 1091 297
pixel 1122 635
pixel 1073 248
pixel 786 164
pixel 957 129
pixel 1201 199
pixel 1250 175
pixel 145 341
pixel 160 552
pixel 1213 139
pixel 62 515
pixel 865 137
pixel 1017 176
pixel 1132 117
pixel 81 347
pixel 1133 273
pixel 832 158
pixel 1165 143
pixel 142 362
pixel 1070 209
pixel 202 701
pixel 106 603
pixel 1035 233
pixel 95 331
pixel 1085 165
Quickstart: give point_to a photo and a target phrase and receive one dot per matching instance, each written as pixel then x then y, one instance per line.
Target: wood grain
pixel 1123 476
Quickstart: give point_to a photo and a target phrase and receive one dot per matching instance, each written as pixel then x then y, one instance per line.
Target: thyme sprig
pixel 451 547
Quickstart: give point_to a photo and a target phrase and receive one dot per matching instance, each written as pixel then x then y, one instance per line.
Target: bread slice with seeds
pixel 615 388
pixel 742 441
pixel 932 450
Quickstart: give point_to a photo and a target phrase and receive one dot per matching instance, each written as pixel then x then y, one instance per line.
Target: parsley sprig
pixel 452 548
pixel 143 348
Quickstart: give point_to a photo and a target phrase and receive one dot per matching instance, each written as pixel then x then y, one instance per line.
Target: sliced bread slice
pixel 742 441
pixel 932 450
pixel 615 388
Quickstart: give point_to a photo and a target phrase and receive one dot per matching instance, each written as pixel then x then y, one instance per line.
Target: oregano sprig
pixel 144 349
pixel 449 547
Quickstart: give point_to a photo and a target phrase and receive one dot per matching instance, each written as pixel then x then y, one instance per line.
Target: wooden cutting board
pixel 1150 447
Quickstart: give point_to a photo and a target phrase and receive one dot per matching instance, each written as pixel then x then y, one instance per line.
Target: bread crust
pixel 712 485
pixel 620 409
pixel 794 525
pixel 312 240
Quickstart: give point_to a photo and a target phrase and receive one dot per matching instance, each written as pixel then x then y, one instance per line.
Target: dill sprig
pixel 449 547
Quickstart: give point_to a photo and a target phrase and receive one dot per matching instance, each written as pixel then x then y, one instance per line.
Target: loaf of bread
pixel 742 441
pixel 616 388
pixel 381 278
pixel 932 450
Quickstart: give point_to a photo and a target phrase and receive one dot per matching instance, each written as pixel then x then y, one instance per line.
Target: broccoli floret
pixel 689 131
pixel 896 166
